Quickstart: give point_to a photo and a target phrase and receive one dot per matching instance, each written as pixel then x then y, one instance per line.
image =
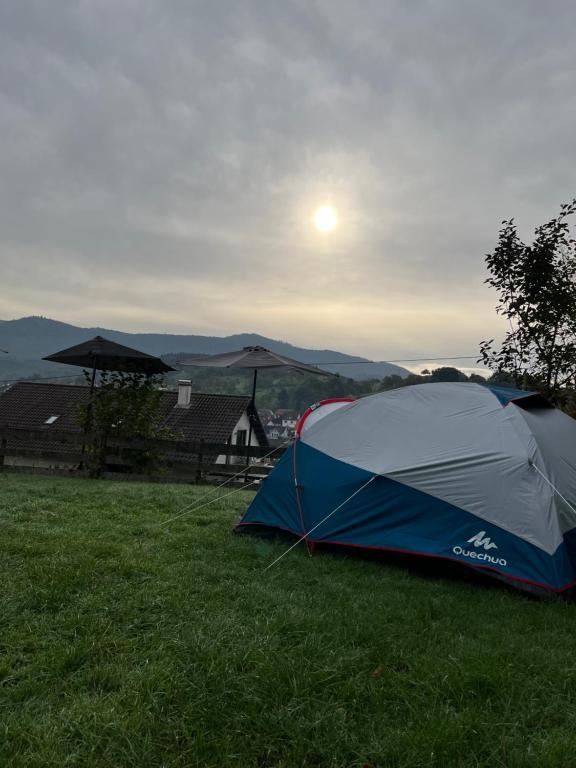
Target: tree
pixel 447 373
pixel 537 294
pixel 124 405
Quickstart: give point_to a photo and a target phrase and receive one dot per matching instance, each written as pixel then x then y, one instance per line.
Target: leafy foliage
pixel 124 405
pixel 282 389
pixel 537 294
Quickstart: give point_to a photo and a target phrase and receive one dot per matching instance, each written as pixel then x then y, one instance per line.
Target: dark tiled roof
pixel 27 405
pixel 210 418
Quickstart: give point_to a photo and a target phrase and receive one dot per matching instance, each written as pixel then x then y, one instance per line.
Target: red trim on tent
pixel 570 585
pixel 453 560
pixel 312 408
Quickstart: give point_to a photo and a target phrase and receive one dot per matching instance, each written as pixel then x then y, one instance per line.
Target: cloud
pixel 161 161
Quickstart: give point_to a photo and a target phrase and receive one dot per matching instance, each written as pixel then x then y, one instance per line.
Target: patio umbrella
pixel 100 354
pixel 255 358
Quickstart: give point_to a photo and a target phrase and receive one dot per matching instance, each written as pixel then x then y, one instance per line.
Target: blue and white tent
pixel 481 475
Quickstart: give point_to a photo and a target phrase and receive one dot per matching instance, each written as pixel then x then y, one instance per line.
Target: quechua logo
pixel 481 540
pixel 483 544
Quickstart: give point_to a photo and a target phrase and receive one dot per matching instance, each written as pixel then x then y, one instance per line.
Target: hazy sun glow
pixel 325 218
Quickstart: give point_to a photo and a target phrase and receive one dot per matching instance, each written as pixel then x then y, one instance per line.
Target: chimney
pixel 184 393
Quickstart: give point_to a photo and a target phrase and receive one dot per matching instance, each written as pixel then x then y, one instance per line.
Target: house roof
pixel 212 418
pixel 209 417
pixel 28 405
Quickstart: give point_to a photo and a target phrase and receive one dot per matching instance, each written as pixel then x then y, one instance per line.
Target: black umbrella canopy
pixel 253 357
pixel 104 355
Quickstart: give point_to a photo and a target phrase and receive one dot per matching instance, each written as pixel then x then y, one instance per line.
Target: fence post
pixel 199 465
pixel 3 444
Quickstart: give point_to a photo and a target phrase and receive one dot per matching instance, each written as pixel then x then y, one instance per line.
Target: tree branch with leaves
pixel 536 286
pixel 124 405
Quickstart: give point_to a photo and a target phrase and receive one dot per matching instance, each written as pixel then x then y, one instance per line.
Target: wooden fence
pixel 54 452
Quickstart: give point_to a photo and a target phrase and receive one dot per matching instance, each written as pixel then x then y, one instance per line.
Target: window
pixel 241 437
pixel 51 419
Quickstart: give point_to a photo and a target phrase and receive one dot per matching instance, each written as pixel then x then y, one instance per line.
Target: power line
pixel 37 378
pixel 323 362
pixel 402 360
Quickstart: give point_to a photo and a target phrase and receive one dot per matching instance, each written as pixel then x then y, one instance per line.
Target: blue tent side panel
pixel 276 504
pixel 508 394
pixel 390 515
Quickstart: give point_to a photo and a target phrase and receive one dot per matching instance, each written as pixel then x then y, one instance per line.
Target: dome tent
pixel 481 475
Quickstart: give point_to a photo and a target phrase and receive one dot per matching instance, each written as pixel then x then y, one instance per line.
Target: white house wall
pixel 243 423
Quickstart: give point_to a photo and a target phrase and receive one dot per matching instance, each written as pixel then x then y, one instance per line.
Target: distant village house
pixel 280 424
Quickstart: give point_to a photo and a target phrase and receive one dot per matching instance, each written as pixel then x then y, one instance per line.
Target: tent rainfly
pixel 480 475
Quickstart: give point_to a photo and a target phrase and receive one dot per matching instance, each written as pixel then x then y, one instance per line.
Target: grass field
pixel 124 643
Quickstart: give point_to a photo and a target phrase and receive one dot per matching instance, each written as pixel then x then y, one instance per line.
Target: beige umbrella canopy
pixel 255 358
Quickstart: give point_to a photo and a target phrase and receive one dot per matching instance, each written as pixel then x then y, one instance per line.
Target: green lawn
pixel 124 643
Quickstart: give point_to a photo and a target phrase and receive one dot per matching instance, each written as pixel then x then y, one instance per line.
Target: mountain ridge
pixel 28 339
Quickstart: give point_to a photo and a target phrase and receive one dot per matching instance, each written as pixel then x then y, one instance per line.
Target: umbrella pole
pixel 93 380
pixel 88 411
pixel 251 417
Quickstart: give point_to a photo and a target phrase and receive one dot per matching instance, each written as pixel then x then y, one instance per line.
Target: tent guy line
pixel 329 515
pixel 201 506
pixel 551 484
pixel 210 495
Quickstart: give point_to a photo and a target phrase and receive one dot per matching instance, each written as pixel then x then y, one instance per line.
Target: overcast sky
pixel 161 161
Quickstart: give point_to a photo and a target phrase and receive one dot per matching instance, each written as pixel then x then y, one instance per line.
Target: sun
pixel 325 218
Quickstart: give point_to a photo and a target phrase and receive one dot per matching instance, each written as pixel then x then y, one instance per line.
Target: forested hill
pixel 282 389
pixel 31 338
